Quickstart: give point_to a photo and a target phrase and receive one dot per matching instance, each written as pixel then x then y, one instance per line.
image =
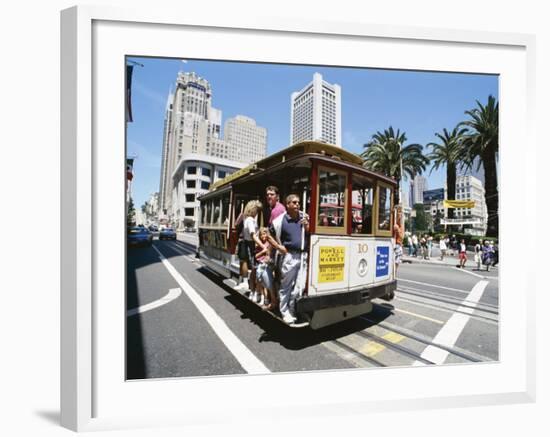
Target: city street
pixel 182 321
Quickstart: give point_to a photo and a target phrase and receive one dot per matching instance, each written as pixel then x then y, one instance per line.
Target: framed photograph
pixel 175 126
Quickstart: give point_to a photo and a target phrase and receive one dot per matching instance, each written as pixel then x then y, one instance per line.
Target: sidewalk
pixel 435 259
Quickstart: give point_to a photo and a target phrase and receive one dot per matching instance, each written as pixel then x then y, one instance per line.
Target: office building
pixel 152 206
pixel 471 188
pixel 189 122
pixel 192 125
pixel 433 195
pixel 474 171
pixel 419 185
pixel 248 142
pixel 434 206
pixel 192 177
pixel 315 113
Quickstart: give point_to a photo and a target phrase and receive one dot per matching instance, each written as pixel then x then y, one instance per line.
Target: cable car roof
pixel 298 149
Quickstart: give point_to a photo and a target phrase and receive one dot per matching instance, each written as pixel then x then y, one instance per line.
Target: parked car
pixel 139 236
pixel 167 234
pixel 190 229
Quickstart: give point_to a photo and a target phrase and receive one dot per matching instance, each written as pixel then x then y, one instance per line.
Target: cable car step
pixel 231 283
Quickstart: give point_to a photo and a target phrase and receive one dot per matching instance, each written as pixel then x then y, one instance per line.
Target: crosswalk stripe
pixel 448 335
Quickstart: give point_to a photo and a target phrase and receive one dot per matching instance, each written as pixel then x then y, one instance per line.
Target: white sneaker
pixel 252 296
pixel 262 301
pixel 288 319
pixel 243 286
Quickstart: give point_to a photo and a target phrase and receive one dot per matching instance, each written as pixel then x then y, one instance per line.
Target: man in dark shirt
pixel 291 231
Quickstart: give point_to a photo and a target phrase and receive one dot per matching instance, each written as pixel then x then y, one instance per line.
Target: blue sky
pixel 417 103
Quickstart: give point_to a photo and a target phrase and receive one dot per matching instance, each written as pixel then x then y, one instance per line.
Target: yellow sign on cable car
pixel 331 263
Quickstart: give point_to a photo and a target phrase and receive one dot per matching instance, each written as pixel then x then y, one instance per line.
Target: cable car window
pixel 225 209
pixel 332 199
pixel 217 212
pixel 204 212
pixel 361 205
pixel 211 207
pixel 384 208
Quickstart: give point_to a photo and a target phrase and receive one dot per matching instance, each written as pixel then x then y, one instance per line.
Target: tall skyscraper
pixel 193 126
pixel 315 113
pixel 420 185
pixel 189 122
pixel 248 141
pixel 164 175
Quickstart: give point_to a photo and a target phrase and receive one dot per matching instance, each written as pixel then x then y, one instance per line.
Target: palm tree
pixel 448 153
pixel 387 154
pixel 481 146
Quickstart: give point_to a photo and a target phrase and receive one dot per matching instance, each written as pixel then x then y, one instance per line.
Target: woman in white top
pixel 249 240
pixel 442 248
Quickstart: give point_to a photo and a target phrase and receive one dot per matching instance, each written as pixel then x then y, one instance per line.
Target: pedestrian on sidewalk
pixel 487 255
pixel 415 245
pixel 453 244
pixel 424 247
pixel 477 254
pixel 430 241
pixel 462 254
pixel 442 247
pixel 410 243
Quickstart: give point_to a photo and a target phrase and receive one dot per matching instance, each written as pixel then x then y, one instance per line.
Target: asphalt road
pixel 183 322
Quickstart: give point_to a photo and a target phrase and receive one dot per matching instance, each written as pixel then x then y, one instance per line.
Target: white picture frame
pixel 94 41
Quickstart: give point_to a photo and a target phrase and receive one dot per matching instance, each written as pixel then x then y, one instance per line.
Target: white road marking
pixel 471 273
pixel 174 293
pixel 244 356
pixel 429 319
pixel 448 335
pixel 181 250
pixel 433 285
pixel 426 292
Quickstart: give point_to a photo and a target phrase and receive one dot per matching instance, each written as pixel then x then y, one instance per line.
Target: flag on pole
pixel 459 203
pixel 129 71
pixel 130 169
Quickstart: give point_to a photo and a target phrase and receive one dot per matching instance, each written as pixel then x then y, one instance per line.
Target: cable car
pixel 350 249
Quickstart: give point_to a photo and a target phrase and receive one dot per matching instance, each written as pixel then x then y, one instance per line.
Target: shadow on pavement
pixel 296 338
pixel 135 355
